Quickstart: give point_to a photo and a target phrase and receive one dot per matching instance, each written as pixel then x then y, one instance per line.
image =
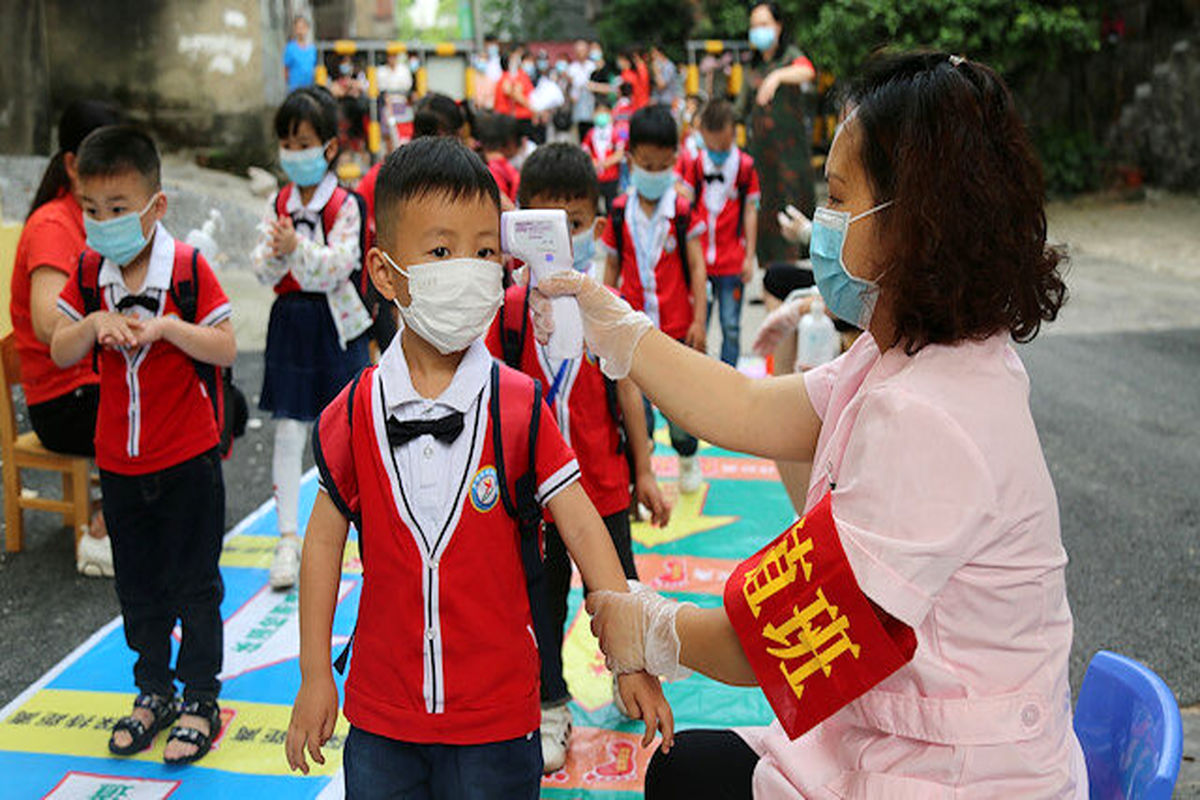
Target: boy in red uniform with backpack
pixel 151 313
pixel 602 420
pixel 724 183
pixel 444 460
pixel 653 255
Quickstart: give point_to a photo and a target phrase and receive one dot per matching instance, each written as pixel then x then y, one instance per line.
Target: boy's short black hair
pixel 716 116
pixel 625 89
pixel 437 115
pixel 495 131
pixel 312 104
pixel 431 165
pixel 653 125
pixel 114 149
pixel 558 171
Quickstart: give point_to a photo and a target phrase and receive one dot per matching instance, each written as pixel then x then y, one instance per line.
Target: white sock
pixel 286 462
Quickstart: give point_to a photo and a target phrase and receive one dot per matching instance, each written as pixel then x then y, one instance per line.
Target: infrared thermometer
pixel 542 240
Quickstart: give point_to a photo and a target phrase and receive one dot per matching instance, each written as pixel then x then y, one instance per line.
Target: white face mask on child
pixel 451 302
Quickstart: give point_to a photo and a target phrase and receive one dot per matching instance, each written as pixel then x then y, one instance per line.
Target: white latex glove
pixel 795 226
pixel 637 631
pixel 610 326
pixel 781 322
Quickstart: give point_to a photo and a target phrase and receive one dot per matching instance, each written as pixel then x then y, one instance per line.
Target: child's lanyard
pixel 558 379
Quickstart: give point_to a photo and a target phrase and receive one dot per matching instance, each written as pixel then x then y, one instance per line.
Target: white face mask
pixel 452 302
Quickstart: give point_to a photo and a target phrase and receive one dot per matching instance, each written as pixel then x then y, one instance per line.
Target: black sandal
pixel 164 710
pixel 198 708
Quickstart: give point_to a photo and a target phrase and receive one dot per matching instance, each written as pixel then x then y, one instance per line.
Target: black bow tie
pixel 711 177
pixel 130 300
pixel 445 430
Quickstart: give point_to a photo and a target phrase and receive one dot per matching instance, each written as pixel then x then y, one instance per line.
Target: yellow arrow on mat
pixel 687 519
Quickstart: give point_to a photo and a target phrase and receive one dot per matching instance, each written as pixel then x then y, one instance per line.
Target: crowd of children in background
pixel 667 220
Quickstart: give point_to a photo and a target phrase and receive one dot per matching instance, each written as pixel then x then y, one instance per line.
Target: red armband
pixel 813 638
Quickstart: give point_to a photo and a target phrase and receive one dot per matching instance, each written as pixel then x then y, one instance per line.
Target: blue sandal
pixel 164 709
pixel 207 709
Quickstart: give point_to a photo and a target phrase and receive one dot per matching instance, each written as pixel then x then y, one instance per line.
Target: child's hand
pixel 748 269
pixel 314 716
pixel 150 330
pixel 283 237
pixel 697 337
pixel 113 330
pixel 643 696
pixel 650 495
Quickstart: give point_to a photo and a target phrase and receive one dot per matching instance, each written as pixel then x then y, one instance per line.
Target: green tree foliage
pixel 664 22
pixel 1013 36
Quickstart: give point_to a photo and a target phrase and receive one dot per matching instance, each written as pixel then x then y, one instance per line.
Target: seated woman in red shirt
pixel 62 402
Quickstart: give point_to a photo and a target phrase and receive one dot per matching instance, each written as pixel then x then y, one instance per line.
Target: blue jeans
pixel 727 296
pixel 379 768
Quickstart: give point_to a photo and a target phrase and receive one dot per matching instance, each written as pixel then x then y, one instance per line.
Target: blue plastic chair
pixel 1128 723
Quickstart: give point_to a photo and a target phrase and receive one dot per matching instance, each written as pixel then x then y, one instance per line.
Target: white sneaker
pixel 93 557
pixel 556 737
pixel 285 567
pixel 617 701
pixel 690 476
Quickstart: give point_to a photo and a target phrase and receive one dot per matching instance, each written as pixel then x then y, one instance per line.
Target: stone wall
pixel 1159 131
pixel 205 73
pixel 25 118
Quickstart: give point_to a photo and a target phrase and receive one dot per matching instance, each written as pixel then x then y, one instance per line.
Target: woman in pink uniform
pixel 912 632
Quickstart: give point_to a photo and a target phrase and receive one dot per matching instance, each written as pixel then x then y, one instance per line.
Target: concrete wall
pixel 206 73
pixel 24 80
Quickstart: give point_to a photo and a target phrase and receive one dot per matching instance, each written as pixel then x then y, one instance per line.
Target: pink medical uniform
pixel 949 519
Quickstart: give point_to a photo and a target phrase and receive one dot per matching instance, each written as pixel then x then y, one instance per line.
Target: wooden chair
pixel 24 451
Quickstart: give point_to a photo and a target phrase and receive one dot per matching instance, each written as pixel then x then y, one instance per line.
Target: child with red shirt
pixel 433 456
pixel 607 150
pixel 724 183
pixel 652 244
pixel 498 141
pixel 156 434
pixel 602 420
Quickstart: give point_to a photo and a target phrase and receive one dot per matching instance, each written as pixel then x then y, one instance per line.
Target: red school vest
pixel 444 650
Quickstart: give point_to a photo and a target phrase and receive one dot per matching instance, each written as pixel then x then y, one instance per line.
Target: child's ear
pixel 390 284
pixel 159 209
pixel 331 151
pixel 598 226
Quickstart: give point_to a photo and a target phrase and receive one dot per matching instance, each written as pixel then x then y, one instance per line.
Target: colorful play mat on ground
pixel 53 737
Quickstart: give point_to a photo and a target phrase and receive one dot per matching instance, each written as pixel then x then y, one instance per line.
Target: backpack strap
pixel 522 506
pixel 281 201
pixel 683 210
pixel 340 662
pixel 87 275
pixel 185 282
pixel 745 167
pixel 618 223
pixel 512 335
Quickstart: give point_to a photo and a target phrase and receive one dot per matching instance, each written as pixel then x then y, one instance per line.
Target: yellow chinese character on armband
pixel 821 644
pixel 777 570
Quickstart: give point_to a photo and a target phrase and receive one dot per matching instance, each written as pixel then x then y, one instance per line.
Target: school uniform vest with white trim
pixel 444 650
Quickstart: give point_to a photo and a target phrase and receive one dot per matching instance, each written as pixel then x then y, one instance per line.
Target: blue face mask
pixel 851 299
pixel 304 167
pixel 762 38
pixel 119 239
pixel 652 185
pixel 583 245
pixel 719 157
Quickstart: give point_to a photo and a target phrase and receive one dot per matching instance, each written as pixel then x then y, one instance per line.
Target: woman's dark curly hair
pixel 966 237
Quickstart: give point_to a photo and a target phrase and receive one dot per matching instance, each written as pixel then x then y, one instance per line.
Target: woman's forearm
pixel 766 417
pixel 709 645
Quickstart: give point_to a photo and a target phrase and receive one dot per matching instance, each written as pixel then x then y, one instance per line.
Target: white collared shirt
pixel 432 469
pixel 649 235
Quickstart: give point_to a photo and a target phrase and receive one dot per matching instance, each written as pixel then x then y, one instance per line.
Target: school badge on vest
pixel 485 489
